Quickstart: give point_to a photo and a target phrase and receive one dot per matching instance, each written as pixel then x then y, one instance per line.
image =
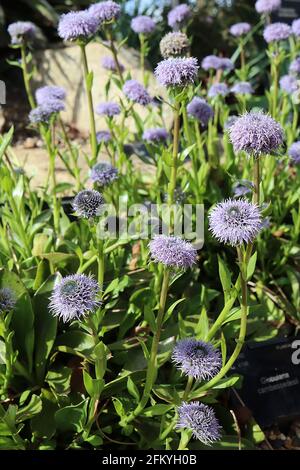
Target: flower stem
pixel 26 76
pixel 256 180
pixel 114 53
pixel 176 130
pixel 88 84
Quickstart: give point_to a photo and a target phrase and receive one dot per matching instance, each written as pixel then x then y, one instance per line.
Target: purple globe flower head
pixel 294 67
pixel 201 420
pixel 294 152
pixel 174 44
pixel 73 297
pixel 296 27
pixel 179 16
pixel 7 299
pixel 49 93
pixel 109 63
pixel 156 135
pixel 105 12
pixel 143 25
pixel 172 251
pixel 225 64
pixel 88 204
pixel 240 29
pixel 242 88
pixel 177 71
pixel 256 133
pixel 103 137
pixel 21 31
pixel 230 121
pixel 43 112
pixel 277 32
pixel 217 90
pixel 265 7
pixel 136 92
pixel 211 62
pixel 197 359
pixel 242 188
pixel 200 110
pixel 109 109
pixel 77 25
pixel 235 221
pixel 104 173
pixel 289 84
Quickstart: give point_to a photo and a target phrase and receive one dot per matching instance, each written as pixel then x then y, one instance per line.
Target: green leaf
pixel 56 258
pixel 119 407
pixel 33 408
pixel 5 141
pixel 75 342
pixel 227 382
pixel 171 309
pixel 132 389
pixel 43 424
pixel 251 266
pixel 71 418
pixel 225 277
pixel 94 387
pixel 157 410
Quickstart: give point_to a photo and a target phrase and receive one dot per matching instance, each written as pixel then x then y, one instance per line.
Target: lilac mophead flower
pixel 217 90
pixel 289 84
pixel 77 25
pixel 294 152
pixel 201 420
pixel 88 203
pixel 296 27
pixel 143 24
pixel 48 93
pixel 242 88
pixel 240 29
pixel 21 31
pixel 43 112
pixel 174 44
pixel 7 299
pixel 177 71
pixel 242 188
pixel 136 92
pixel 109 63
pixel 256 133
pixel 105 12
pixel 172 251
pixel 103 137
pixel 210 62
pixel 294 67
pixel 104 173
pixel 225 64
pixel 277 32
pixel 197 359
pixel 74 296
pixel 200 110
pixel 267 6
pixel 179 16
pixel 155 135
pixel 109 109
pixel 235 221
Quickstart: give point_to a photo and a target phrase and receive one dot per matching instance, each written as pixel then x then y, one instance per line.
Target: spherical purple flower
pixel 172 251
pixel 197 359
pixel 235 221
pixel 143 25
pixel 294 152
pixel 109 109
pixel 218 89
pixel 177 71
pixel 103 137
pixel 295 66
pixel 88 203
pixel 240 29
pixel 109 63
pixel 21 31
pixel 267 6
pixel 200 109
pixel 211 62
pixel 256 133
pixel 105 12
pixel 74 296
pixel 43 112
pixel 225 64
pixel 7 299
pixel 77 25
pixel 289 84
pixel 242 187
pixel 296 27
pixel 104 173
pixel 242 88
pixel 174 44
pixel 178 16
pixel 201 420
pixel 277 32
pixel 49 93
pixel 136 92
pixel 156 134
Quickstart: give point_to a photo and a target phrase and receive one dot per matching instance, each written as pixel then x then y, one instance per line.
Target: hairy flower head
pixel 177 71
pixel 77 25
pixel 172 251
pixel 201 420
pixel 88 203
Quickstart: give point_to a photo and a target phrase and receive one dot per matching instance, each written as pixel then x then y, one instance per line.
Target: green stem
pixel 172 183
pixel 188 387
pixel 26 76
pixel 101 265
pixel 72 153
pixel 47 134
pixel 256 180
pixel 88 85
pixel 114 53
